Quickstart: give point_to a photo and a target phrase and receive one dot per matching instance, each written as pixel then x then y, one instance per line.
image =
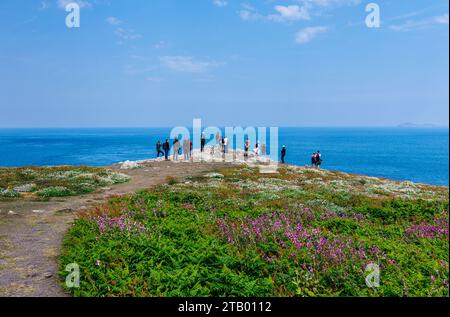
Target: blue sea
pixel 419 155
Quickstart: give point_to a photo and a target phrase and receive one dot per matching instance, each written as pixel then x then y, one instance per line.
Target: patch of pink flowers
pixel 123 223
pixel 438 229
pixel 289 232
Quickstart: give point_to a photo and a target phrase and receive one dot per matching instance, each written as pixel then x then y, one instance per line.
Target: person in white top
pixel 225 144
pixel 257 149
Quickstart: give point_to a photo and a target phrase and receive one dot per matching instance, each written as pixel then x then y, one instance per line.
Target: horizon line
pixel 223 126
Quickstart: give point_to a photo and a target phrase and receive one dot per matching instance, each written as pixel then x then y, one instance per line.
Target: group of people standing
pixel 258 150
pixel 222 143
pixel 163 149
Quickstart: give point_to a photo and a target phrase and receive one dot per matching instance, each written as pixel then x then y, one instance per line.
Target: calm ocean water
pixel 420 155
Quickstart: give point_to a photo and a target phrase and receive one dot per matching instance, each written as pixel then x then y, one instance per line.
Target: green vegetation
pixel 301 232
pixel 55 181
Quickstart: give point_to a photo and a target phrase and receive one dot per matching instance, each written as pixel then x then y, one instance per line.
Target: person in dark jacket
pixel 166 148
pixel 158 149
pixel 318 159
pixel 313 159
pixel 283 153
pixel 203 143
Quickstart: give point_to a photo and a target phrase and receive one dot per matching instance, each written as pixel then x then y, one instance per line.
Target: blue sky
pixel 230 62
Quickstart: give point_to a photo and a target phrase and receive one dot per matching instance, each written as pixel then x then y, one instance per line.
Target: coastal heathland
pixel 237 232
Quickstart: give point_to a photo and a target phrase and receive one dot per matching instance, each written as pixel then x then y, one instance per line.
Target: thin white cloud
pixel 323 7
pixel 122 32
pixel 330 3
pixel 249 13
pixel 283 13
pixel 160 45
pixel 81 3
pixel 113 21
pixel 289 13
pixel 442 19
pixel 220 3
pixel 411 25
pixel 306 35
pixel 187 64
pixel 127 34
pixel 406 16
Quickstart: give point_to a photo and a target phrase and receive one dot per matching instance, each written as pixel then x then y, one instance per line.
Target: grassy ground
pixel 54 181
pixel 302 232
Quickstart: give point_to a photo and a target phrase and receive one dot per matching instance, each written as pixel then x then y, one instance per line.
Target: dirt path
pixel 31 235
